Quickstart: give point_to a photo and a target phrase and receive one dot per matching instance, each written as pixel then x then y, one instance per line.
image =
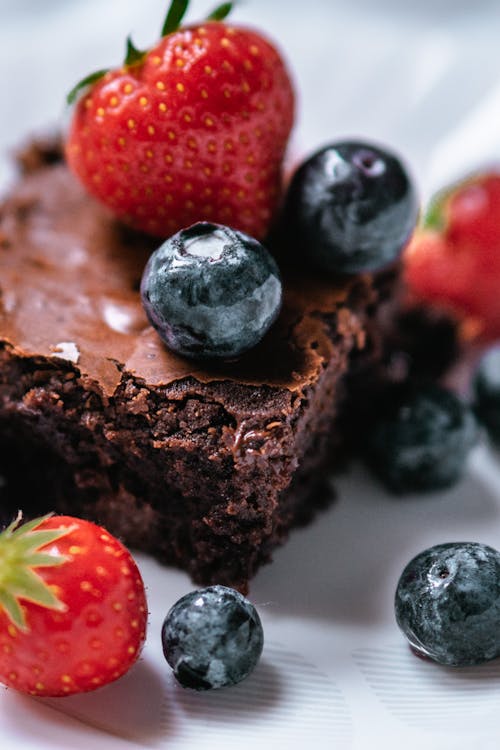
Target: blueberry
pixel 212 638
pixel 211 292
pixel 448 603
pixel 487 392
pixel 351 207
pixel 421 438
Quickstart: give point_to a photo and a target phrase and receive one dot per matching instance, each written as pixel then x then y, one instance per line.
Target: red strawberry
pixel 72 607
pixel 454 261
pixel 193 129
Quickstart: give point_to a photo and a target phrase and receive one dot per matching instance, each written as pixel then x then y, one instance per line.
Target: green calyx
pixel 221 12
pixel 20 547
pixel 134 56
pixel 178 9
pixel 434 218
pixel 87 81
pixel 174 17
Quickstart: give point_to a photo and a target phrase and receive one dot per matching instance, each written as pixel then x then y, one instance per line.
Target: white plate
pixel 335 673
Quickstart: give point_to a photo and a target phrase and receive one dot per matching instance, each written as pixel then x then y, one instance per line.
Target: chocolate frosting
pixel 69 288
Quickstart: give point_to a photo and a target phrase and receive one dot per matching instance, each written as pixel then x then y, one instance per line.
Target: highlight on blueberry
pixel 350 207
pixel 421 438
pixel 212 638
pixel 486 388
pixel 211 291
pixel 447 603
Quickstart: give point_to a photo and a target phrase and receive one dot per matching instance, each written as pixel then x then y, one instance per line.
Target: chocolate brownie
pixel 205 467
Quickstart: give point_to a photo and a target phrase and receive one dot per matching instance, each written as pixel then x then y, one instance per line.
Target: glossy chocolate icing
pixel 69 281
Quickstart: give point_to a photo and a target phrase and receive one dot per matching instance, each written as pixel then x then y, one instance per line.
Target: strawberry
pixel 194 129
pixel 453 261
pixel 72 607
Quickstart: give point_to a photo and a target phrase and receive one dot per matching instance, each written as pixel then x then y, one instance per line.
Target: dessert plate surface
pixel 335 672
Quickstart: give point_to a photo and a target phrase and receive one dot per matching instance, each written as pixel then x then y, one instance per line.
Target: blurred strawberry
pixel 453 261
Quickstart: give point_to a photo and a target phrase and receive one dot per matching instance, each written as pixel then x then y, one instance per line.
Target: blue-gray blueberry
pixel 448 603
pixel 350 207
pixel 212 638
pixel 421 438
pixel 211 291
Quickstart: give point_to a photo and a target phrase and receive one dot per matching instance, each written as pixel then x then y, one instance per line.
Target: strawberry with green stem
pixel 193 129
pixel 453 261
pixel 73 610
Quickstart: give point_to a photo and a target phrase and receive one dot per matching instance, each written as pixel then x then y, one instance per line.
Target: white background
pixel 421 77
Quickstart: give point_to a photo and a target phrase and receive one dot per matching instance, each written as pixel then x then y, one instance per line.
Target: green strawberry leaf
pixel 10 604
pixel 41 560
pixel 434 218
pixel 26 584
pixel 221 12
pixel 84 83
pixel 175 14
pixel 134 56
pixel 20 547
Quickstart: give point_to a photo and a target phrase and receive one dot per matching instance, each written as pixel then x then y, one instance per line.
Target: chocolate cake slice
pixel 206 468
